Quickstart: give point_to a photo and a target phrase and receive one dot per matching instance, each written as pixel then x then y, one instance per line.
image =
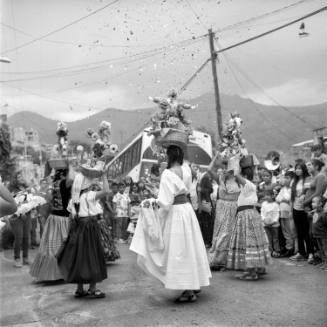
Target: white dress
pixel 181 264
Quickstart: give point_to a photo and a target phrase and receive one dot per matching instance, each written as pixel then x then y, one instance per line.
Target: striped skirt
pixel 248 246
pixel 45 265
pixel 224 224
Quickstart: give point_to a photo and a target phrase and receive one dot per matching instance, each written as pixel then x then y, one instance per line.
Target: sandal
pixel 79 294
pixel 97 294
pixel 248 277
pixel 186 297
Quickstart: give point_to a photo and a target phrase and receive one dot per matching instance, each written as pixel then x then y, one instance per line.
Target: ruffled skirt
pixel 249 244
pixel 45 266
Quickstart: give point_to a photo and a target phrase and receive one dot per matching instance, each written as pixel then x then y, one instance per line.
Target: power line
pixel 76 43
pixel 106 62
pixel 273 30
pixel 244 91
pixel 196 15
pixel 189 81
pixel 232 26
pixel 61 28
pixel 271 98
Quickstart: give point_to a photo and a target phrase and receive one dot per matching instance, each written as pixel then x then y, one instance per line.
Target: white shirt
pixel 270 213
pixel 194 195
pixel 284 200
pixel 248 195
pixel 88 205
pixel 122 201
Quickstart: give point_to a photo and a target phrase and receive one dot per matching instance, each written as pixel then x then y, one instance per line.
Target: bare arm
pixel 241 180
pixel 320 189
pixel 7 202
pixel 104 192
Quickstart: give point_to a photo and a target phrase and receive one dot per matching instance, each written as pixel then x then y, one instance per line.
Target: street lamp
pixel 5 60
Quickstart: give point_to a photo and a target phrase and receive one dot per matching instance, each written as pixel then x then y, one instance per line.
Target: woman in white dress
pixel 181 263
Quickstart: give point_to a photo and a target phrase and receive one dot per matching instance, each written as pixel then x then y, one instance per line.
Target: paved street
pixel 290 295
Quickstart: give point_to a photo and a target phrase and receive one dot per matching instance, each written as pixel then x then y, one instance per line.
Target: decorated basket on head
pixel 169 126
pixel 59 153
pixel 103 151
pixel 232 147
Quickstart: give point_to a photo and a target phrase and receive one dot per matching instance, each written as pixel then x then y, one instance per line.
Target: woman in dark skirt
pixel 82 260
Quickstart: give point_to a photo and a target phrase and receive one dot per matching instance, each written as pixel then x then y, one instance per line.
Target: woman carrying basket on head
pixel 181 263
pixel 82 260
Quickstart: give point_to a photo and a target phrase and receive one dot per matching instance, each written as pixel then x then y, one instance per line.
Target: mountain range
pixel 265 127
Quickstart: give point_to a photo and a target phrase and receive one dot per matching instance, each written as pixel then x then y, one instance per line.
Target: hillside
pixel 265 127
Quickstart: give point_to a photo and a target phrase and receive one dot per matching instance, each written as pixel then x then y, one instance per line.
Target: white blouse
pixel 88 205
pixel 248 195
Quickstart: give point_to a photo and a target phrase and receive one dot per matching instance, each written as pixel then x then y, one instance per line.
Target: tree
pixel 7 164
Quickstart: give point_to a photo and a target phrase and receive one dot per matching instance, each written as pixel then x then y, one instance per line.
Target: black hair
pixel 175 155
pixel 316 147
pixel 297 178
pixel 155 170
pixel 265 170
pixel 317 163
pixel 290 174
pixel 248 172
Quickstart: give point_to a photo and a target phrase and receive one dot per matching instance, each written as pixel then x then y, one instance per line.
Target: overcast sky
pixel 93 64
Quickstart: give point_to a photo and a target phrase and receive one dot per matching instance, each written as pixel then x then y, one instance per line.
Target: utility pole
pixel 215 82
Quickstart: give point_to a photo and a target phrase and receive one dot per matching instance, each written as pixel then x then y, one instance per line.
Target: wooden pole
pixel 215 82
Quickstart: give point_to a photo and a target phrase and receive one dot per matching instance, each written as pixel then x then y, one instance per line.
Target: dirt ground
pixel 290 295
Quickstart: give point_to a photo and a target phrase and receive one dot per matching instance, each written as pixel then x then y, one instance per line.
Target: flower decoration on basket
pixel 103 150
pixel 169 126
pixel 59 152
pixel 171 113
pixel 232 142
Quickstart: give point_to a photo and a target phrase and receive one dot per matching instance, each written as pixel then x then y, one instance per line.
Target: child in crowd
pixel 270 217
pixel 135 198
pixel 265 185
pixel 286 221
pixel 121 203
pixel 319 229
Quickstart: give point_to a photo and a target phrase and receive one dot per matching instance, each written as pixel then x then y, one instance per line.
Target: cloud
pixel 295 92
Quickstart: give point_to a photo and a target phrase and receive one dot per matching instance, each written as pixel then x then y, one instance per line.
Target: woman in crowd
pixel 182 264
pixel 7 202
pixel 248 249
pixel 300 217
pixel 45 266
pixel 226 207
pixel 205 209
pixel 318 184
pixel 105 221
pixel 82 260
pixel 20 224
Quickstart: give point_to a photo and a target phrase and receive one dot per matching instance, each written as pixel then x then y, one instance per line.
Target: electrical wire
pixel 305 122
pixel 194 75
pixel 233 26
pixel 74 43
pixel 273 30
pixel 267 119
pixel 60 28
pixel 117 60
